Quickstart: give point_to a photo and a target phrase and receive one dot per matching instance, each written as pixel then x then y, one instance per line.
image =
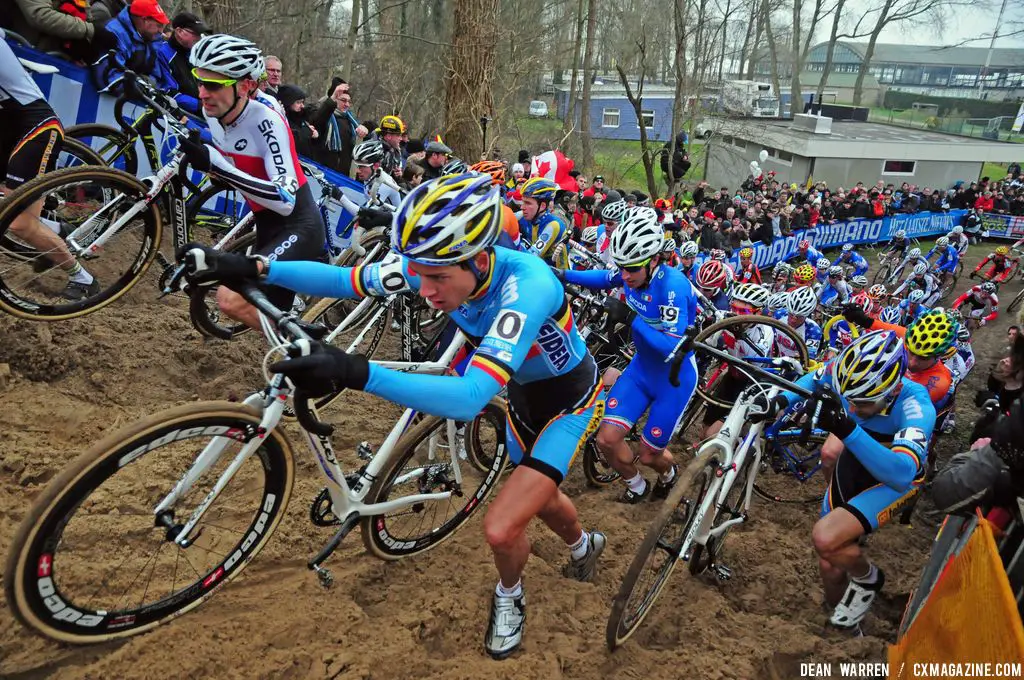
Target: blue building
pixel 613 117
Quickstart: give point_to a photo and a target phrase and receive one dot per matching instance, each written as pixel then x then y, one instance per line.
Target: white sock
pixel 579 548
pixel 514 591
pixel 52 225
pixel 668 476
pixel 868 579
pixel 637 484
pixel 78 274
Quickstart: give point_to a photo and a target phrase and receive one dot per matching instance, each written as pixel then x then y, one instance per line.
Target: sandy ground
pixel 423 617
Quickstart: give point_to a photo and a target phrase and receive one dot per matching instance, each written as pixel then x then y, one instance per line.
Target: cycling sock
pixel 668 476
pixel 514 591
pixel 637 484
pixel 52 225
pixel 868 579
pixel 579 548
pixel 78 274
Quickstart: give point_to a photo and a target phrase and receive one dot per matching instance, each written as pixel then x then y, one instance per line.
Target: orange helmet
pixel 496 169
pixel 804 274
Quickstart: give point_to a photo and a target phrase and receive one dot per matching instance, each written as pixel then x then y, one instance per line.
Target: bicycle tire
pixel 377 535
pixel 1015 303
pixel 32 570
pixel 746 320
pixel 202 305
pixel 149 237
pixel 882 275
pixel 620 627
pixel 598 472
pixel 796 491
pixel 216 222
pixel 479 456
pixel 117 149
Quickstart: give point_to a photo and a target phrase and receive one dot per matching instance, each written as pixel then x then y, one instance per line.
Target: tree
pixel 801 46
pixel 470 72
pixel 588 72
pixel 830 51
pixel 570 115
pixel 637 102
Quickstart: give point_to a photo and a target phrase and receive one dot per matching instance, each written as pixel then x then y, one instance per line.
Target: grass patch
pixel 994 171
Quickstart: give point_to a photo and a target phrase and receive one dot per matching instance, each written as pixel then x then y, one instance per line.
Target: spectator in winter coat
pixel 51 25
pixel 302 122
pixel 135 31
pixel 339 132
pixel 985 202
pixel 187 28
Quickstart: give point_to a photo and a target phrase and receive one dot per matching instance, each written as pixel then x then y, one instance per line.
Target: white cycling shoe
pixel 505 632
pixel 856 602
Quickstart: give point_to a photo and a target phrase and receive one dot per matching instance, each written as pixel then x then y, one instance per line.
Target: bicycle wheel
pixel 202 305
pixel 597 471
pixel 422 463
pixel 882 275
pixel 82 202
pixel 949 287
pixel 791 471
pixel 1015 303
pixel 216 210
pixel 662 547
pixel 90 564
pixel 733 327
pixel 483 435
pixel 115 148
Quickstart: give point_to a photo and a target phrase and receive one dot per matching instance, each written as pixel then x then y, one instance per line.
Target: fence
pixel 998 128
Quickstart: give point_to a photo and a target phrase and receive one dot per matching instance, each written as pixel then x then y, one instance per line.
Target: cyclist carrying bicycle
pixel 515 312
pixel 253 152
pixel 543 231
pixel 850 257
pixel 30 142
pixel 834 291
pixel 665 306
pixel 983 303
pixel 800 304
pixel 748 271
pixel 1001 266
pixel 884 422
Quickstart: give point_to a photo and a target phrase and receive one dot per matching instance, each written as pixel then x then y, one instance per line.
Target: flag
pixel 555 166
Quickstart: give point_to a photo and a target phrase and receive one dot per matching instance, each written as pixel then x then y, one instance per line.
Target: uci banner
pixel 868 230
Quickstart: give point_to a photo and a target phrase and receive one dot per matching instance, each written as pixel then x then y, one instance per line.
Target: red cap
pixel 148 8
pixel 709 215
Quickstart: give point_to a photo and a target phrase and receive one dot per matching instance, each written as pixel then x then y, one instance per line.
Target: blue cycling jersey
pixel 812 255
pixel 543 235
pixel 519 321
pixel 831 294
pixel 910 311
pixel 809 331
pixel 948 258
pixel 907 424
pixel 860 265
pixel 664 308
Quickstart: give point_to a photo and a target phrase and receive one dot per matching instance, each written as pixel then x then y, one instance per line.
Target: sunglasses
pixel 742 309
pixel 213 84
pixel 635 268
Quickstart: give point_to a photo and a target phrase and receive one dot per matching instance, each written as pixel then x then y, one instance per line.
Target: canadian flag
pixel 555 166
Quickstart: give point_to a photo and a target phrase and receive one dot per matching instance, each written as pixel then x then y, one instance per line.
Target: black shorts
pixel 298 237
pixel 855 489
pixel 30 141
pixel 728 390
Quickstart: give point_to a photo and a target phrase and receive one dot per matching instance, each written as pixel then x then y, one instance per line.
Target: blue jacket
pixel 171 58
pixel 132 52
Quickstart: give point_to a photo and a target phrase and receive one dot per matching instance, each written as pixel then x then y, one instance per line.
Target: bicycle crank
pixel 321 511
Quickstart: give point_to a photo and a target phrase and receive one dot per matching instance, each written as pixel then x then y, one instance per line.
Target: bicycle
pixel 711 497
pixel 53 585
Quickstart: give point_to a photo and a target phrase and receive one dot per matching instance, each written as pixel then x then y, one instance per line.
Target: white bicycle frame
pixel 732 448
pixel 345 500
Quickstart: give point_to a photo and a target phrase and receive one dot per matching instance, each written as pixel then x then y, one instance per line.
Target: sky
pixel 978 20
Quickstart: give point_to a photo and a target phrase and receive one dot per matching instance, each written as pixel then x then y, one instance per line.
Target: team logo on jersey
pixel 613 402
pixel 655 431
pixel 241 144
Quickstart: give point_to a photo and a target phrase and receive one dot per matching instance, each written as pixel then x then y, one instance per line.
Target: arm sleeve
pixel 808 381
pixel 594 279
pixel 380 279
pixel 960 300
pixel 41 16
pixel 981 264
pixel 550 236
pixel 500 354
pixel 883 326
pixel 860 266
pixel 896 467
pixel 995 310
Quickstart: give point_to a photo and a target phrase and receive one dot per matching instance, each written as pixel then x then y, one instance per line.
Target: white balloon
pixel 755 169
pixel 763 156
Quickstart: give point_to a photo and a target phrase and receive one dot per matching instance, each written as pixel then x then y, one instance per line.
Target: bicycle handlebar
pixel 155 99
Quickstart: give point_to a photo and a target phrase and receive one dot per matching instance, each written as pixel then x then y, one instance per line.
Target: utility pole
pixel 991 46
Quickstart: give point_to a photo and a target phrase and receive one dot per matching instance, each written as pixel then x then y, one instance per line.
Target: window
pixel 610 118
pixel 726 139
pixel 785 157
pixel 647 116
pixel 899 167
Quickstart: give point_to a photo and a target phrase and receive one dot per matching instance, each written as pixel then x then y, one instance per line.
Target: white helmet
pixel 779 300
pixel 688 249
pixel 612 212
pixel 751 293
pixel 802 301
pixel 920 268
pixel 835 270
pixel 890 314
pixel 638 237
pixel 228 55
pixel 669 245
pixel 958 230
pixel 941 242
pixel 847 247
pixel 914 253
pixel 859 280
pixel 900 233
pixel 916 296
pixel 822 264
pixel 589 235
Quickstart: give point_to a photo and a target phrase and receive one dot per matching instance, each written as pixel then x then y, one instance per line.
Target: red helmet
pixel 804 245
pixel 712 275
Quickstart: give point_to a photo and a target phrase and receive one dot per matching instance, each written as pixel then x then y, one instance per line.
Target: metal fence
pixel 998 128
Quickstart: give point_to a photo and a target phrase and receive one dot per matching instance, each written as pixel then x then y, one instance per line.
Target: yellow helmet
pixel 870 367
pixel 931 334
pixel 804 274
pixel 392 125
pixel 1002 250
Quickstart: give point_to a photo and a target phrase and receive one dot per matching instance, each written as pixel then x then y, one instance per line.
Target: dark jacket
pixel 175 59
pixel 337 137
pixel 132 52
pixel 46 27
pixel 303 123
pixel 102 11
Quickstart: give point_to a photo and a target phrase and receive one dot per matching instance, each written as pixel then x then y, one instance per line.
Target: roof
pixel 936 55
pixel 615 90
pixel 851 139
pixel 812 78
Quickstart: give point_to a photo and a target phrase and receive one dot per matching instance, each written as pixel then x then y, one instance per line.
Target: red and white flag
pixel 554 166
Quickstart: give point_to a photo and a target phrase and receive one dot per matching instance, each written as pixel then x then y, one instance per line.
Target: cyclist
pixel 821 271
pixel 516 312
pixel 865 302
pixel 800 303
pixel 884 422
pixel 858 283
pixel 899 243
pixel 780 277
pixel 776 307
pixel 919 279
pixel 912 306
pixel 912 259
pixel 665 306
pixel 253 151
pixel 29 146
pixel 687 254
pixel 946 264
pixel 956 360
pixel 849 256
pixel 713 281
pixel 806 252
pixel 748 271
pixel 804 275
pixel 834 291
pixel 983 302
pixel 890 314
pixel 378 187
pixel 669 254
pixel 611 215
pixel 1000 269
pixel 958 239
pixel 542 230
